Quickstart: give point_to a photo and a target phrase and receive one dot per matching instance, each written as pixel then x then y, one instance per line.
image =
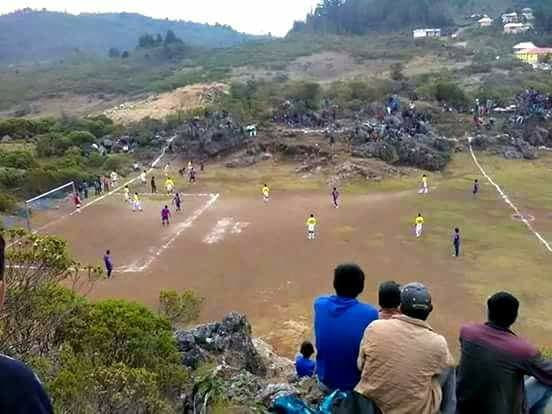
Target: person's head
pixel 126 186
pixel 144 171
pixel 389 295
pixel 312 215
pixel 419 214
pixel 424 176
pixel 108 252
pixel 136 194
pixel 503 309
pixel 416 301
pixel 457 230
pixel 335 189
pixel 476 181
pixel 2 270
pixel 348 280
pixel 307 349
pixel 166 207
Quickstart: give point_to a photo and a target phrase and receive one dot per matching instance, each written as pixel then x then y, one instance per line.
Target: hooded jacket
pixel 339 325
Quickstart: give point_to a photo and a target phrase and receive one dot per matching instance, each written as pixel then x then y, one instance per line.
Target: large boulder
pixel 229 341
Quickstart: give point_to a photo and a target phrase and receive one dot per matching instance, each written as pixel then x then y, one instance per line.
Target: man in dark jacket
pixel 20 390
pixel 494 362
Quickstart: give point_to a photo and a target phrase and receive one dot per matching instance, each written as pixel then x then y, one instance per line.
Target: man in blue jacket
pixel 20 390
pixel 339 324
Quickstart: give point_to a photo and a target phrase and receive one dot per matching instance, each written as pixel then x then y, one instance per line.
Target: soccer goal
pixel 44 208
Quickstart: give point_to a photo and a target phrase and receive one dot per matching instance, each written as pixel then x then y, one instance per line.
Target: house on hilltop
pixel 426 33
pixel 510 18
pixel 524 45
pixel 485 21
pixel 516 28
pixel 535 55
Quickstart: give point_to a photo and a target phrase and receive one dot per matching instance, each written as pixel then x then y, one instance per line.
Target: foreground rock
pixel 229 365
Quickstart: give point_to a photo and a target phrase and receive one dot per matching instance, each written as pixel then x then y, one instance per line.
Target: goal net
pixel 47 207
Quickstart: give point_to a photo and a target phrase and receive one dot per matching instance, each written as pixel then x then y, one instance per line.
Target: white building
pixel 485 22
pixel 425 33
pixel 524 45
pixel 510 18
pixel 515 28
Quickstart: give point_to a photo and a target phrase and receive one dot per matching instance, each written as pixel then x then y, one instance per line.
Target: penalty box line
pixel 507 200
pixel 181 228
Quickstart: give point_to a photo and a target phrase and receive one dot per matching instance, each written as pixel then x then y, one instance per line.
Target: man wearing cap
pixel 406 366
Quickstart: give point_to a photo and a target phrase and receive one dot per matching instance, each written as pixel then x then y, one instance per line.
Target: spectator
pixel 494 362
pixel 303 364
pixel 339 322
pixel 389 296
pixel 20 390
pixel 406 366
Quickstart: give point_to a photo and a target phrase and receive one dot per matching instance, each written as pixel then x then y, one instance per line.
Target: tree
pixel 125 55
pixel 80 138
pixel 114 52
pixel 158 40
pixel 180 309
pixel 170 38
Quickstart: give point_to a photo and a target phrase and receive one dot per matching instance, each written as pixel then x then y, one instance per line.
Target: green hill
pixel 29 35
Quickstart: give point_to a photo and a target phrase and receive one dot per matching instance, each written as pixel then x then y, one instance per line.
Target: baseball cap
pixel 415 296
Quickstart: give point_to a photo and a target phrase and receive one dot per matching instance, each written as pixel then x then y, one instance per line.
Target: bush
pixel 120 163
pixel 52 145
pixel 24 128
pixel 20 159
pixel 7 203
pixel 308 93
pixel 452 94
pixel 12 177
pixel 81 138
pixel 180 308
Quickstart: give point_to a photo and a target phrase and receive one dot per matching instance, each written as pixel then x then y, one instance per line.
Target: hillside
pixel 42 35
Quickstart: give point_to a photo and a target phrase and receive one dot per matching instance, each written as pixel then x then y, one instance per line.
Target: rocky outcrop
pixel 506 146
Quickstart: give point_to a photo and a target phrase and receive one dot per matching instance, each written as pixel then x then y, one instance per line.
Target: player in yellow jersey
pixel 425 185
pixel 136 203
pixel 266 193
pixel 169 185
pixel 311 227
pixel 419 225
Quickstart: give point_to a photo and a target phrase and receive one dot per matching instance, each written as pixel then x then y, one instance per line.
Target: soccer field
pixel 242 254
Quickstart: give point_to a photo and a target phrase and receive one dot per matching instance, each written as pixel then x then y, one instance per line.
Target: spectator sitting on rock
pixel 389 298
pixel 20 390
pixel 494 362
pixel 406 366
pixel 303 364
pixel 339 323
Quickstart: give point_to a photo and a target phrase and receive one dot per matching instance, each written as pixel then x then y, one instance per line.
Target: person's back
pixel 404 363
pixel 339 323
pixel 495 361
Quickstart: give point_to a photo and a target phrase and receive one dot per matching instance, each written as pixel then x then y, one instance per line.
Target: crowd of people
pixel 392 361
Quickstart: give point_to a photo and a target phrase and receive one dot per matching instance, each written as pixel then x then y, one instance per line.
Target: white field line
pixel 136 268
pixel 507 200
pixel 119 188
pixel 218 232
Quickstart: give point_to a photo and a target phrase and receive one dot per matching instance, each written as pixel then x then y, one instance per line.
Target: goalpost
pixel 50 205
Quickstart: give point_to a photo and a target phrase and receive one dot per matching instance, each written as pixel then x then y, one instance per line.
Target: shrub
pixel 24 128
pixel 451 94
pixel 80 138
pixel 52 144
pixel 20 159
pixel 180 308
pixel 308 93
pixel 7 203
pixel 120 163
pixel 12 177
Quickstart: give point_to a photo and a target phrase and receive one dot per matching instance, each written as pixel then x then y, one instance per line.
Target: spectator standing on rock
pixel 494 364
pixel 21 392
pixel 406 367
pixel 303 364
pixel 389 299
pixel 339 323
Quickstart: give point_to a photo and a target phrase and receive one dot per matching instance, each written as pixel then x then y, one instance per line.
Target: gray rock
pixel 6 138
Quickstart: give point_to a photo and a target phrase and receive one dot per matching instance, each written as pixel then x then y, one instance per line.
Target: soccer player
pixel 143 178
pixel 127 194
pixel 475 190
pixel 192 175
pixel 114 178
pixel 153 185
pixel 456 242
pixel 169 185
pixel 311 227
pixel 425 185
pixel 77 201
pixel 335 197
pixel 419 225
pixel 177 201
pixel 165 215
pixel 136 203
pixel 166 170
pixel 266 193
pixel 108 263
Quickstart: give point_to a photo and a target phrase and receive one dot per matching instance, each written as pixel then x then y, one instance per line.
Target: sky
pixel 249 16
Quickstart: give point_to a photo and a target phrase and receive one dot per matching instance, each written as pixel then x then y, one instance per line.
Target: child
pixel 303 364
pixel 456 242
pixel 389 299
pixel 335 197
pixel 127 194
pixel 475 188
pixel 177 201
pixel 137 204
pixel 165 215
pixel 169 185
pixel 266 193
pixel 108 263
pixel 311 227
pixel 419 225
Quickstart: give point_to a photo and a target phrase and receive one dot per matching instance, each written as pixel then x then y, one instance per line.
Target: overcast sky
pixel 250 16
